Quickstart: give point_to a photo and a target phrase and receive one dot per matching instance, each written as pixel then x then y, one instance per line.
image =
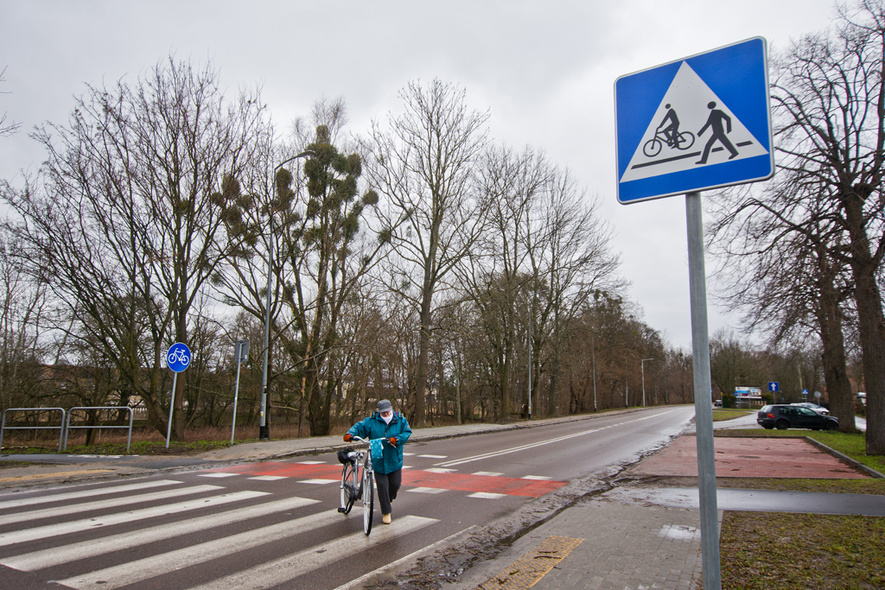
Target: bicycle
pixel 653 146
pixel 178 356
pixel 358 482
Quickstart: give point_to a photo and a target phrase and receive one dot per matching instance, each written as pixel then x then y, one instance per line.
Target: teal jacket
pixel 374 427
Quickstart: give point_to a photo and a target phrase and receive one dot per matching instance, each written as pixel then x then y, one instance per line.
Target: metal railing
pixel 68 425
pixel 61 434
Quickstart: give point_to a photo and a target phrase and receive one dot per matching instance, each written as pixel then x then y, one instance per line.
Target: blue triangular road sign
pixel 698 123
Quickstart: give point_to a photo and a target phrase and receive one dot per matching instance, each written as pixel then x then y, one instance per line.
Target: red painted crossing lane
pixel 494 484
pixel 511 486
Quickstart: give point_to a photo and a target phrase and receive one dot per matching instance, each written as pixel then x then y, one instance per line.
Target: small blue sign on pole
pixel 178 358
pixel 696 123
pixel 773 386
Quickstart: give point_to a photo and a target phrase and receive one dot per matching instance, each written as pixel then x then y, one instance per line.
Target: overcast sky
pixel 544 69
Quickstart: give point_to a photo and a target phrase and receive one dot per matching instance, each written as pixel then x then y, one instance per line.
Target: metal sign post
pixel 241 352
pixel 177 359
pixel 694 124
pixel 703 411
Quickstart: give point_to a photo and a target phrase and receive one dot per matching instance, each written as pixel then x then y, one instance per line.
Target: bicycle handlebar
pixel 363 440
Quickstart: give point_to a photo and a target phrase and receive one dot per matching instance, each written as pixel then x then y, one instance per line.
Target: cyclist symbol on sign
pixel 178 356
pixel 668 132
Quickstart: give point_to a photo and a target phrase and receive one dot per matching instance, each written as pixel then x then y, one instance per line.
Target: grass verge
pixel 785 551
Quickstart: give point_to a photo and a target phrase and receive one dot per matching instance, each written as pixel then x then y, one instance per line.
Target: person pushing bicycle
pixel 394 429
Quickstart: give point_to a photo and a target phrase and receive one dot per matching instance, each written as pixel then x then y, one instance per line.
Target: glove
pixel 348 437
pixel 392 441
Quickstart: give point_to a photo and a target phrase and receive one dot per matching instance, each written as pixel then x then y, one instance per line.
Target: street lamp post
pixel 642 364
pixel 263 427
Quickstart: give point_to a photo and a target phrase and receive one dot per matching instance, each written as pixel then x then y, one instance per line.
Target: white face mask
pixel 387 418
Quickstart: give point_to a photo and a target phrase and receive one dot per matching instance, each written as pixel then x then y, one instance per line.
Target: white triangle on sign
pixel 695 105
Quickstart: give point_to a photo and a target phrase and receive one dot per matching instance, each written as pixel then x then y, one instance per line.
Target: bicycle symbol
pixel 653 146
pixel 178 357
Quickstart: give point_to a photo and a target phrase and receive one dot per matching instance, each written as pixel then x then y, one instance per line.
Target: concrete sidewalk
pixel 642 537
pixel 629 537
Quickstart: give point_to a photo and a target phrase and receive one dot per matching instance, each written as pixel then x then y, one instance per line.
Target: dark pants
pixel 388 486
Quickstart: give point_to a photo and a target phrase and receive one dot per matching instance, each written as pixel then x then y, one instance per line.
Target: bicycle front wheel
pixel 368 501
pixel 348 490
pixel 686 140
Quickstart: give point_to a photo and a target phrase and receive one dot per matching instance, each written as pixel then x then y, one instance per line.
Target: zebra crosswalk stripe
pixel 279 571
pixel 87 493
pixel 142 569
pixel 72 552
pixel 32 515
pixel 84 524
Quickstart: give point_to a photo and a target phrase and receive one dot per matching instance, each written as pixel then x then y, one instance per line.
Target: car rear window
pixel 765 409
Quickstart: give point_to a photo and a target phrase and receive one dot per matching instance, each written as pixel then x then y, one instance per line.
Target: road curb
pixel 854 463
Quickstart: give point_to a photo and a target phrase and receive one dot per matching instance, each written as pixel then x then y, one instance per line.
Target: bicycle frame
pixel 357 483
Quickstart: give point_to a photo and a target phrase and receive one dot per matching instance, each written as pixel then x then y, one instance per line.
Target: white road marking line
pixel 433 456
pixel 486 496
pixel 421 490
pixel 319 481
pixel 426 550
pixel 218 474
pixel 489 473
pixel 45 558
pixel 268 477
pixel 537 477
pixel 311 463
pixel 439 470
pixel 90 493
pixel 280 571
pixel 518 449
pixel 32 515
pixel 546 442
pixel 143 569
pixel 85 524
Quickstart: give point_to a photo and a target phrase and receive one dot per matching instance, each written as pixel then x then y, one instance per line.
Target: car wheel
pixel 831 426
pixel 782 425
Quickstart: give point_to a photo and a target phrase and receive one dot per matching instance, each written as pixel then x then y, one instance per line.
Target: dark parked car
pixel 783 416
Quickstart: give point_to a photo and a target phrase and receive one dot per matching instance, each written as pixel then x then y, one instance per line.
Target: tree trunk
pixel 830 322
pixel 871 324
pixel 423 351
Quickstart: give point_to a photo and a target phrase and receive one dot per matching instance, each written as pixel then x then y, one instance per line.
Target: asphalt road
pixel 274 524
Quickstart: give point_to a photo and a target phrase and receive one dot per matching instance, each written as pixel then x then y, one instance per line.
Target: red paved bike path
pixel 493 484
pixel 749 457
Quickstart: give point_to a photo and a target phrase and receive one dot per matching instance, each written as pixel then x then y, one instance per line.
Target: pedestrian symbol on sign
pixel 717 118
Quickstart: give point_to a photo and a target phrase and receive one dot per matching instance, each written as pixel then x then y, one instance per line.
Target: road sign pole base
pixel 263 433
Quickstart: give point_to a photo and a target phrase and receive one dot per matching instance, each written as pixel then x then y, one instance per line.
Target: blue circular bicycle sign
pixel 178 357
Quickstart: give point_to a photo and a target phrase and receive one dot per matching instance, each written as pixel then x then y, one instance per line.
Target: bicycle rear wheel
pixel 652 147
pixel 348 491
pixel 368 501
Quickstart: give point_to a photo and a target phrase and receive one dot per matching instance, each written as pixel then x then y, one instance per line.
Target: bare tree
pixel 829 96
pixel 135 208
pixel 7 127
pixel 22 308
pixel 543 254
pixel 421 165
pixel 791 301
